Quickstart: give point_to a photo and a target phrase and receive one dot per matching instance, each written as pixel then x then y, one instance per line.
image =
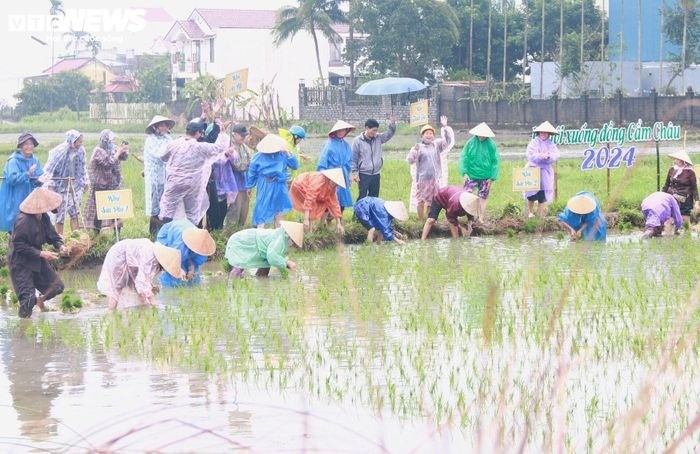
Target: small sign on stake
pixel 526 179
pixel 236 82
pixel 419 113
pixel 114 205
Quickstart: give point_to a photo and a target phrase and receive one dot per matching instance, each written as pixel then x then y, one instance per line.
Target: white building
pixel 220 41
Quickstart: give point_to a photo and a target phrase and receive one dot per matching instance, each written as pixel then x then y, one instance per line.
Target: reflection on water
pixel 435 346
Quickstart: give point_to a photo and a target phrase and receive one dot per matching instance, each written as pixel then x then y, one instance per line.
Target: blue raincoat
pixel 370 212
pixel 596 225
pixel 268 173
pixel 171 235
pixel 338 154
pixel 16 186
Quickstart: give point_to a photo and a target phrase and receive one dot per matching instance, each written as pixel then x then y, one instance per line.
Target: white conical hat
pixel 340 124
pixel 40 200
pixel 335 175
pixel 295 230
pixel 682 155
pixel 482 130
pixel 469 202
pixel 159 119
pixel 581 204
pixel 272 143
pixel 396 209
pixel 546 127
pixel 169 258
pixel 199 241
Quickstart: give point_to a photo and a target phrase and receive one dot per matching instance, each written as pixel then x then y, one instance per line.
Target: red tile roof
pixel 241 18
pixel 68 64
pixel 157 15
pixel 192 29
pixel 246 18
pixel 121 84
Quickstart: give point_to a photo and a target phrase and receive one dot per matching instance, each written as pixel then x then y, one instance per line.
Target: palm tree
pixel 310 16
pixel 94 45
pixel 75 38
pixel 56 8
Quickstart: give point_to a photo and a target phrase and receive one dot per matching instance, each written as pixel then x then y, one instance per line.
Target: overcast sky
pixel 116 24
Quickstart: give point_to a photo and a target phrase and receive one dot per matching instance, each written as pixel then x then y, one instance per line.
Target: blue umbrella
pixel 390 86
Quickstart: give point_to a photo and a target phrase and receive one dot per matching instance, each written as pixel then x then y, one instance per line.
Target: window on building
pixel 335 54
pixel 197 55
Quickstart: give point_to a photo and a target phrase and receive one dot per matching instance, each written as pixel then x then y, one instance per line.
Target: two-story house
pixel 220 41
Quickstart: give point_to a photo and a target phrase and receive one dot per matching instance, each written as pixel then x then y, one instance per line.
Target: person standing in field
pixel 447 134
pixel 426 156
pixel 367 156
pixel 583 218
pixel 314 194
pixel 337 154
pixel 658 208
pixel 479 163
pixel 682 183
pixel 132 264
pixel 263 248
pixel 456 202
pixel 542 153
pixel 158 136
pixel 29 265
pixel 377 216
pixel 105 175
pixel 268 173
pixel 20 177
pixel 187 173
pixel 68 177
pixel 239 207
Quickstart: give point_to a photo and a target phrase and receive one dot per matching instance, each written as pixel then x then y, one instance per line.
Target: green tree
pixel 682 28
pixel 405 38
pixel 507 37
pixel 75 38
pixel 153 75
pixel 311 16
pixel 69 89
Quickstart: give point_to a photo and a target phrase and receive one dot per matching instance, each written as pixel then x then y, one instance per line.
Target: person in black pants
pixel 367 158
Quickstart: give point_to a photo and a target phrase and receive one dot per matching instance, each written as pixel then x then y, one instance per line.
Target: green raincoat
pixel 479 159
pixel 258 248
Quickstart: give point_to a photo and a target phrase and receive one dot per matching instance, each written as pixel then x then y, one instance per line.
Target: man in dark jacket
pixel 367 156
pixel 30 269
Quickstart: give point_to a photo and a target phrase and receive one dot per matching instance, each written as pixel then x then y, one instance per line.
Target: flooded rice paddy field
pixel 480 345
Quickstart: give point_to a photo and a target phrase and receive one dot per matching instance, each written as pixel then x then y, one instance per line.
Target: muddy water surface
pixel 437 346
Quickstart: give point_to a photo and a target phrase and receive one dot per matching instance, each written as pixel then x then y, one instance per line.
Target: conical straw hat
pixel 159 119
pixel 470 203
pixel 169 258
pixel 295 230
pixel 41 200
pixel 581 204
pixel 426 128
pixel 396 209
pixel 335 175
pixel 199 241
pixel 272 143
pixel 546 127
pixel 482 130
pixel 682 155
pixel 340 124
